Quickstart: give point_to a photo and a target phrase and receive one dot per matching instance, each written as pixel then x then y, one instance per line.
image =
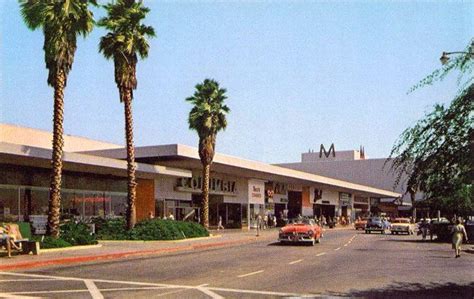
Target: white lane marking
pixel 202 285
pixel 101 280
pixel 338 248
pixel 11 295
pixel 345 245
pixel 185 287
pixel 322 253
pixel 85 290
pixel 294 262
pixel 95 293
pixel 248 274
pixel 210 293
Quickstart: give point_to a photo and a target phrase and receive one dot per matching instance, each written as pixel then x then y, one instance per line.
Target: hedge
pixel 154 229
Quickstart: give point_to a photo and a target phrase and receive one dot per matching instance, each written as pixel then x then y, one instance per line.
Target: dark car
pixel 376 224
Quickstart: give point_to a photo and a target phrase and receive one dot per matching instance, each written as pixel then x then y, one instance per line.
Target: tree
pixel 125 41
pixel 436 154
pixel 61 21
pixel 207 117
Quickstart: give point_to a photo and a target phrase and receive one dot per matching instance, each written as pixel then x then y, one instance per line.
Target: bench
pixel 23 244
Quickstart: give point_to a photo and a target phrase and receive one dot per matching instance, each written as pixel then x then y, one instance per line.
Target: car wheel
pixel 366 231
pixel 393 233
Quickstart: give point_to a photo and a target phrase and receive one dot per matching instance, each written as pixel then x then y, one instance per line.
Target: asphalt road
pixel 346 263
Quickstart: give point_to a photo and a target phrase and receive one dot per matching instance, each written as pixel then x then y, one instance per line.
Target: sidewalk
pixel 111 250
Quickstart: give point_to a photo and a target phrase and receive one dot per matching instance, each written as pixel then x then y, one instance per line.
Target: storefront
pixel 361 207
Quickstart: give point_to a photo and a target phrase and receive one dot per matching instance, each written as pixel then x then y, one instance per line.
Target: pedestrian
pixel 458 233
pixel 259 224
pixel 424 228
pixel 265 221
pixel 219 224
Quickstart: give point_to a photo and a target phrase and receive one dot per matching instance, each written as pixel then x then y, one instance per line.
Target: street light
pixel 445 56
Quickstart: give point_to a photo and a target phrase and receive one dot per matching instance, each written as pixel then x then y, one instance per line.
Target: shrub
pixel 152 229
pixel 77 234
pixel 157 230
pixel 49 242
pixel 112 229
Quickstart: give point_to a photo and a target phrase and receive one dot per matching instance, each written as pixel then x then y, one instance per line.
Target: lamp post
pixel 445 56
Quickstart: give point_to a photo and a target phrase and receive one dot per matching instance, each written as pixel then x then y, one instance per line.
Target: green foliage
pixel 50 242
pixel 77 234
pixel 112 229
pixel 126 39
pixel 208 116
pixel 62 22
pixel 153 229
pixel 437 153
pixel 463 63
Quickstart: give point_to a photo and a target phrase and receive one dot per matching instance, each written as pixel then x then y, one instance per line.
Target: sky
pixel 298 73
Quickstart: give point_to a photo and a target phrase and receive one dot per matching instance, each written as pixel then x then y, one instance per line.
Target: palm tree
pixel 207 117
pixel 126 38
pixel 61 21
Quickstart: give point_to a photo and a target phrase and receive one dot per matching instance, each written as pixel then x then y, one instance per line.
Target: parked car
pixel 402 226
pixel 377 224
pixel 360 224
pixel 301 231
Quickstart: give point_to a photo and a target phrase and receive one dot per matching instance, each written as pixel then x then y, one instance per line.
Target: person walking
pixel 259 224
pixel 219 224
pixel 458 233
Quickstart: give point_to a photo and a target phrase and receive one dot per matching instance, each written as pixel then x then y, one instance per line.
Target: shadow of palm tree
pixel 417 290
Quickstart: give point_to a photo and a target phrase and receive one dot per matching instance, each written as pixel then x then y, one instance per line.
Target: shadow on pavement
pixel 418 290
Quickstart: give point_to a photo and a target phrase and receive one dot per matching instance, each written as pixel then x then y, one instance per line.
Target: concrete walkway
pixel 108 250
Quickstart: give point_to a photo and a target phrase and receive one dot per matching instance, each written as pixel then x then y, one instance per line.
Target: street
pixel 346 263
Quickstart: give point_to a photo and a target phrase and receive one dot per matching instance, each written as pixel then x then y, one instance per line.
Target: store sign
pixel 256 192
pixel 216 186
pixel 294 187
pixel 345 198
pixel 361 200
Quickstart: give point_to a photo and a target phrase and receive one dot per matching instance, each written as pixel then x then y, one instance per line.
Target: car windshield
pixel 302 221
pixel 375 220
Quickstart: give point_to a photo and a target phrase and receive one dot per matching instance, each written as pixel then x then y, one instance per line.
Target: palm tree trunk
pixel 132 184
pixel 205 195
pixel 57 156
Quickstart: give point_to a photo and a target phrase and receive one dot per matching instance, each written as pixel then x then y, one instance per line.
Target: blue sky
pixel 298 73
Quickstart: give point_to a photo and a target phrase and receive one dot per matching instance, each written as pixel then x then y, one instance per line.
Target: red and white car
pixel 301 231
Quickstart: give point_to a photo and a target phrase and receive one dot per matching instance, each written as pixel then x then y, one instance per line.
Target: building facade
pixel 169 183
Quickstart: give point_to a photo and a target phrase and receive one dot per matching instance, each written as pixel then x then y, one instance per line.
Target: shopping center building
pixel 169 182
pixel 356 167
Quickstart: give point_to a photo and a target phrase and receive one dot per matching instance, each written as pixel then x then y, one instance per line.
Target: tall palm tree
pixel 207 117
pixel 62 21
pixel 126 38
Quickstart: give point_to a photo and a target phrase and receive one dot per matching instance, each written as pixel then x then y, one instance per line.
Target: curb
pixel 48 250
pixel 120 255
pixel 158 241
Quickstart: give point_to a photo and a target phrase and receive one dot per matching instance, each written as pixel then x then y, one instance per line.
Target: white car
pixel 402 226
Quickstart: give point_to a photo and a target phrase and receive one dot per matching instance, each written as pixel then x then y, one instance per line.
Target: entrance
pixel 324 210
pixel 279 213
pixel 294 204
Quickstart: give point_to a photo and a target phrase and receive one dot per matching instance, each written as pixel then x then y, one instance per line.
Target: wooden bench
pixel 23 244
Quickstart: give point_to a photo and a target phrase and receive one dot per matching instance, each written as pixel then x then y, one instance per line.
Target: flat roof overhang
pixel 187 157
pixel 79 162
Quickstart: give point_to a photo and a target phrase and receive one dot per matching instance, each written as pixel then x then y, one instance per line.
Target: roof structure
pixel 187 157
